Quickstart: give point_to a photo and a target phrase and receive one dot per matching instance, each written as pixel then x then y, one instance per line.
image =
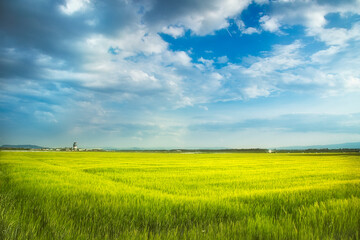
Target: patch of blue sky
pixel 345 20
pixel 235 46
pixel 252 14
pixel 114 50
pixel 221 43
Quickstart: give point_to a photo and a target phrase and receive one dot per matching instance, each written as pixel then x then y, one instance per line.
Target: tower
pixel 75 147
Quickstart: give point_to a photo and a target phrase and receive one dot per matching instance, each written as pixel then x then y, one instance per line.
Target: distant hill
pixel 353 145
pixel 22 146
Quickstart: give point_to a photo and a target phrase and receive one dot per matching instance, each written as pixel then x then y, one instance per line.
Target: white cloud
pixel 270 24
pixel 256 91
pixel 223 59
pixel 335 36
pixel 72 6
pixel 315 18
pixel 135 64
pixel 283 57
pixel 178 57
pixel 204 108
pixel 207 62
pixel 243 29
pixel 175 32
pixel 312 15
pixel 217 76
pixel 141 77
pixel 128 43
pixel 251 30
pixel 353 84
pixel 202 17
pixel 326 55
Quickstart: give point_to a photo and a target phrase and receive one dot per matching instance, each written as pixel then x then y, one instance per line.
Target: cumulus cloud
pixel 335 36
pixel 201 17
pixel 173 31
pixel 72 6
pixel 245 30
pixel 312 15
pixel 270 24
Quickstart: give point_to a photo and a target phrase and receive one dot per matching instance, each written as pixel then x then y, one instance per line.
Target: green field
pixel 108 195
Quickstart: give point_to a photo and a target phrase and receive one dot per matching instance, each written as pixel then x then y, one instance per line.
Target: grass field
pixel 79 195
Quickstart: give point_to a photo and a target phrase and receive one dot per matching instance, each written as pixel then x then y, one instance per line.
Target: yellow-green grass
pixel 107 195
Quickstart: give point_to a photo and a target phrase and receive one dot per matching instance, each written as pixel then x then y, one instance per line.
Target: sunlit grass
pixel 48 195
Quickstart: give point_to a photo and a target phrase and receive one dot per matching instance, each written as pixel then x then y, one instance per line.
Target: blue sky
pixel 179 74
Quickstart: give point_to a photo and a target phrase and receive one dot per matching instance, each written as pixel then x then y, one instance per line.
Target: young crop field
pixel 109 195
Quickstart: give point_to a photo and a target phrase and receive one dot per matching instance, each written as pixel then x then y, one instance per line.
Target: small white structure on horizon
pixel 75 147
pixel 270 151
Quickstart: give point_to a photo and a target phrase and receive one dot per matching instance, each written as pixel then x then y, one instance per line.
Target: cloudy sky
pixel 179 74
